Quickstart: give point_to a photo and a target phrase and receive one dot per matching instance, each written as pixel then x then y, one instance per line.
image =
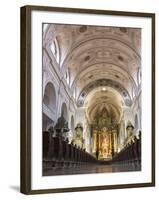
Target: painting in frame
pixel 87 99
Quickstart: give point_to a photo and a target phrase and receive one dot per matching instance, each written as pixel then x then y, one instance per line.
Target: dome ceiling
pixel 97 56
pixel 103 97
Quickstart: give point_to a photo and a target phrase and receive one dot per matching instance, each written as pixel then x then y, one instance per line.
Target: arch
pixel 54 47
pixel 49 98
pixel 52 42
pixel 64 112
pixel 104 82
pixel 139 76
pixel 109 107
pixel 74 48
pixel 125 72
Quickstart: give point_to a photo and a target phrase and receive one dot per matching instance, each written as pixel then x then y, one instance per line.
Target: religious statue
pixel 61 127
pixel 130 130
pixel 78 139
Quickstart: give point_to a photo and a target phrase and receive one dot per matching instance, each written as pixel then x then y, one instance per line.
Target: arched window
pixel 44 27
pixel 50 96
pixel 55 50
pixel 64 112
pixel 67 76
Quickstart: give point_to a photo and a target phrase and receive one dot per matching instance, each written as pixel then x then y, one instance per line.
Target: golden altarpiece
pixel 104 136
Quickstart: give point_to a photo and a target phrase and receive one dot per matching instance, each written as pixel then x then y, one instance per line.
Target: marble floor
pixel 87 169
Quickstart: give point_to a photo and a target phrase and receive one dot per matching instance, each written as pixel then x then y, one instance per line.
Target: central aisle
pixel 87 169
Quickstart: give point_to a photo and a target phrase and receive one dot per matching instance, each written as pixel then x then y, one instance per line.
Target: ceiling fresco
pixel 98 57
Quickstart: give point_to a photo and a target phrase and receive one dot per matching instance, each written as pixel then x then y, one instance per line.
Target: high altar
pixel 104 138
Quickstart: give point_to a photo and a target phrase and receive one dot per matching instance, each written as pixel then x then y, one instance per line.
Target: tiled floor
pixel 86 169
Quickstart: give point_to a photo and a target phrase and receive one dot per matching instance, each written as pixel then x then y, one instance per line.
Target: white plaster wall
pixel 53 74
pixel 129 114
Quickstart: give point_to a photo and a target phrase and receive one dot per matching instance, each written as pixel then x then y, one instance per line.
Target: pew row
pixel 59 153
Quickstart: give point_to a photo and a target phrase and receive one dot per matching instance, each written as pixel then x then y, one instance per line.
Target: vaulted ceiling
pixel 95 58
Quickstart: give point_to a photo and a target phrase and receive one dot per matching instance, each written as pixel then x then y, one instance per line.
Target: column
pixel 110 143
pixel 114 132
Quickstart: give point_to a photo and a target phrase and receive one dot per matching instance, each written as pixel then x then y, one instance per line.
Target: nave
pixel 91 99
pixel 87 169
pixel 60 158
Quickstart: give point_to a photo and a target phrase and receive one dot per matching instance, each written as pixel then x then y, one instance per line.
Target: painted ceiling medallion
pixel 91 76
pixel 83 29
pixel 120 58
pixel 123 30
pixel 117 76
pixel 87 58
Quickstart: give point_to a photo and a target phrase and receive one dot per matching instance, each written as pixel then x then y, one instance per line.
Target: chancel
pixel 91 99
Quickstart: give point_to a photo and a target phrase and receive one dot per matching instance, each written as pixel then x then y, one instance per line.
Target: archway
pixel 64 112
pixel 50 96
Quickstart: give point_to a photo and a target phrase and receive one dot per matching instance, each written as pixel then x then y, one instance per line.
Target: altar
pixel 102 144
pixel 104 135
